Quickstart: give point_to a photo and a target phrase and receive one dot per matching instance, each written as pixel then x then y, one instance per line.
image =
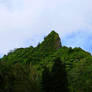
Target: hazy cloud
pixel 81 39
pixel 23 21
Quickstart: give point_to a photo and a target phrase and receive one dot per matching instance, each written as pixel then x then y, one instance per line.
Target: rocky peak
pixel 51 42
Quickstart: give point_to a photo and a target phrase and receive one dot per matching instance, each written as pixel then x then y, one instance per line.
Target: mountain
pixel 50 45
pixel 52 41
pixel 21 70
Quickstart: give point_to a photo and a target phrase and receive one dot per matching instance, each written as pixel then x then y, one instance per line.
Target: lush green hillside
pixel 22 69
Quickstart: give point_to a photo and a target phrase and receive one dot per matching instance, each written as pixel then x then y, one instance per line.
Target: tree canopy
pixel 38 69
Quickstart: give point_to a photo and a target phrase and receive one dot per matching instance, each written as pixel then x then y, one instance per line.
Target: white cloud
pixel 81 39
pixel 21 20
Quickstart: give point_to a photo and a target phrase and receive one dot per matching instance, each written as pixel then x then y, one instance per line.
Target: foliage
pixel 46 80
pixel 23 69
pixel 59 77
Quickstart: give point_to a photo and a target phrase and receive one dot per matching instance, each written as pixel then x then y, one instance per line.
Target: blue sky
pixel 26 22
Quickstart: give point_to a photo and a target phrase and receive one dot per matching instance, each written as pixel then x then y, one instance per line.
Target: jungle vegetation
pixel 48 67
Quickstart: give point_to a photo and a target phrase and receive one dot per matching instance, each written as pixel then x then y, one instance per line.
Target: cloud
pixel 23 21
pixel 79 39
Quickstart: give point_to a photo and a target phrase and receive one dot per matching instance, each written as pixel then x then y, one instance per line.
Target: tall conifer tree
pixel 59 77
pixel 46 80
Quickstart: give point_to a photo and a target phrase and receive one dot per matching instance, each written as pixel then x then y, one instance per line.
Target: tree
pixel 59 77
pixel 46 80
pixel 56 80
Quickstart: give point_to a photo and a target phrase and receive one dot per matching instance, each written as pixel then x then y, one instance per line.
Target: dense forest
pixel 48 67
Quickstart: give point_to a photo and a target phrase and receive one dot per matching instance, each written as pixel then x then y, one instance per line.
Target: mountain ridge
pixel 25 65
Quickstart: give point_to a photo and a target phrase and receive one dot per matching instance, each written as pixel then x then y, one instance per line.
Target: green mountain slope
pixel 50 44
pixel 21 69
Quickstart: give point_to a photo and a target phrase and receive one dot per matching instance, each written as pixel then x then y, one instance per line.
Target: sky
pixel 27 22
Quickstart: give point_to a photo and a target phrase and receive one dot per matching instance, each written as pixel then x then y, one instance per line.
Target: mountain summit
pixel 49 46
pixel 51 42
pixel 54 39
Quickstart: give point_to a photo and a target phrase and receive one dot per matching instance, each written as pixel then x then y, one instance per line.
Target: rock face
pixel 51 43
pixel 56 40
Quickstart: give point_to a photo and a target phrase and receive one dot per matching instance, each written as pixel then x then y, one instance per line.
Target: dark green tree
pixel 46 80
pixel 59 77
